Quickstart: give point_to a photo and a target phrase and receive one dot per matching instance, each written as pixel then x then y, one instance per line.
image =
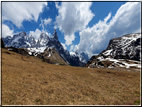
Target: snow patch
pixel 30 53
pixel 37 50
pixel 10 49
pixel 100 58
pixel 73 54
pixel 122 63
pixel 107 52
pixel 28 44
pixel 49 55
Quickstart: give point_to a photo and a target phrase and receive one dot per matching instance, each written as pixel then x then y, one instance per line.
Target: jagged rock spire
pixel 23 33
pixel 55 35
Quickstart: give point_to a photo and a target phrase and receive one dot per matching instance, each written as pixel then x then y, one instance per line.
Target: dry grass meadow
pixel 26 80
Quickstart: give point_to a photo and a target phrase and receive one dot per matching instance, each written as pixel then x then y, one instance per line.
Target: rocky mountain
pixel 53 43
pixel 38 47
pixel 17 41
pixel 22 40
pixel 83 57
pixel 123 51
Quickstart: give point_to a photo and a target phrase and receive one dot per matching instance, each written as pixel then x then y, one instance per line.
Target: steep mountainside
pixel 37 46
pixel 123 51
pixel 125 47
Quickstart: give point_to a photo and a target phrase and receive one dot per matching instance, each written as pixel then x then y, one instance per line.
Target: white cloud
pixel 76 48
pixel 35 34
pixel 128 17
pixel 17 12
pixel 126 20
pixel 57 5
pixel 47 21
pixel 6 31
pixel 69 39
pixel 64 46
pixel 107 18
pixel 49 34
pixel 73 17
pixel 44 23
pixel 72 48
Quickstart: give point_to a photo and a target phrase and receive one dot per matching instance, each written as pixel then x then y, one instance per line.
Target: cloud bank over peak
pixel 73 17
pixel 95 39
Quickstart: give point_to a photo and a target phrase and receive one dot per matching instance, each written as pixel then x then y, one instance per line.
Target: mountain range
pixel 124 51
pixel 38 46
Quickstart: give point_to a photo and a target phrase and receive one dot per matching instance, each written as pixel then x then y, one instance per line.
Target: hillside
pixel 27 80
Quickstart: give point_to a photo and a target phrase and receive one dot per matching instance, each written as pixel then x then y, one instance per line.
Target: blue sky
pixel 81 26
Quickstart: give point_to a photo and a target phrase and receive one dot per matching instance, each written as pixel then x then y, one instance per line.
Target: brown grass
pixel 29 81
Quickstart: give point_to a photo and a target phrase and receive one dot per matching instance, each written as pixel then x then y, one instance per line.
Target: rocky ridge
pixel 123 51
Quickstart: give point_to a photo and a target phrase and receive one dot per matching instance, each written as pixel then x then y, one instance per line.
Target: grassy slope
pixel 29 81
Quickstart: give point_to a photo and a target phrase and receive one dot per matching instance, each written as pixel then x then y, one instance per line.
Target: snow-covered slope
pixel 125 47
pixel 123 51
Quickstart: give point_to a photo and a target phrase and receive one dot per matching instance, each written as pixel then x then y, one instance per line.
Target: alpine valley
pixel 37 72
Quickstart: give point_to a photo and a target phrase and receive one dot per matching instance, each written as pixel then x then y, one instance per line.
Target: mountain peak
pixel 44 35
pixel 55 35
pixel 23 33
